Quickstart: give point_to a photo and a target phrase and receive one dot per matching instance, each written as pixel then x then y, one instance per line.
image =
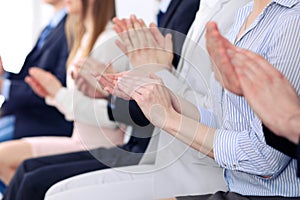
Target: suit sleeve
pixel 127 112
pixel 20 93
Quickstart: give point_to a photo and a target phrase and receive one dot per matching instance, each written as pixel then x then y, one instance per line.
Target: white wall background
pixel 22 20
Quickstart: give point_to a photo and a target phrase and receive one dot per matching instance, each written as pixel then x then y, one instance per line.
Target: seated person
pixel 52 169
pixel 92 127
pixel 237 143
pixel 23 112
pixel 267 91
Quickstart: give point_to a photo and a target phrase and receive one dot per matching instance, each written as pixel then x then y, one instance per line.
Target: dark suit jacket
pixel 33 116
pixel 178 20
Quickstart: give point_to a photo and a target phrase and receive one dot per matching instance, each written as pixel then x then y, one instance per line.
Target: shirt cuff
pixel 225 147
pixel 52 101
pixel 6 83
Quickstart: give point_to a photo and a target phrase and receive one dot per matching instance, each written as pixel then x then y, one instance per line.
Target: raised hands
pixel 143 45
pixel 218 48
pixel 269 93
pixel 43 83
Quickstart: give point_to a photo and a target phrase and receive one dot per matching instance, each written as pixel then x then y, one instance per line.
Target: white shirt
pixel 164 5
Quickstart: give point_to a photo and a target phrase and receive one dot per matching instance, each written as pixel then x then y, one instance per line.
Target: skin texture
pixel 267 91
pixel 162 107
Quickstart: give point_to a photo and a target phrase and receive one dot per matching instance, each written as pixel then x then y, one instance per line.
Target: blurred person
pixel 90 26
pixel 253 170
pixel 23 112
pixel 268 92
pixel 52 169
pixel 173 156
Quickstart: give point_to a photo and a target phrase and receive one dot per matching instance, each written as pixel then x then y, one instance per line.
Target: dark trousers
pixel 35 176
pixel 232 196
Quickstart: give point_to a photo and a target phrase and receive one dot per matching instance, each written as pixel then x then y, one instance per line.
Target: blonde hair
pixel 102 11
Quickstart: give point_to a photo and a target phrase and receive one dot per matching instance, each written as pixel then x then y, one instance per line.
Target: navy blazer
pixel 177 20
pixel 33 116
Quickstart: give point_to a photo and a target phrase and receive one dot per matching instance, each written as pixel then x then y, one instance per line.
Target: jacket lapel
pixel 199 32
pixel 213 11
pixel 36 52
pixel 54 34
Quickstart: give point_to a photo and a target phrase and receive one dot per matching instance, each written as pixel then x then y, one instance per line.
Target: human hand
pixel 36 87
pixel 154 99
pixel 87 89
pixel 218 48
pixel 85 76
pixel 268 92
pixel 109 83
pixel 42 82
pixel 2 70
pixel 90 67
pixel 143 45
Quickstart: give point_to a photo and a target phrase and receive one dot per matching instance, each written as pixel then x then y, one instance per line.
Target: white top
pixel 89 115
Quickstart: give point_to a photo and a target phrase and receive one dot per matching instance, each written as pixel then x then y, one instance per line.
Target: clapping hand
pixel 43 83
pixel 144 45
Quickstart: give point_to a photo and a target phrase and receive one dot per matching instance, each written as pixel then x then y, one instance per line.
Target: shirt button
pixel 234 165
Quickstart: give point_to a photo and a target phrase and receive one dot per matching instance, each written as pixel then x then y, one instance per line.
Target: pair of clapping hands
pixel 84 73
pixel 144 46
pixel 240 71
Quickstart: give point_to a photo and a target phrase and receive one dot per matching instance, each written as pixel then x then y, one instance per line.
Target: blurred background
pixel 21 22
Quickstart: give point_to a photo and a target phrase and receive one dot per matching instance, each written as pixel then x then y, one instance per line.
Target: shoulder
pixel 106 35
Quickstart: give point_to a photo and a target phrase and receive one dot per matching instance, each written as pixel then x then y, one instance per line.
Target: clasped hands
pixel 148 51
pixel 84 73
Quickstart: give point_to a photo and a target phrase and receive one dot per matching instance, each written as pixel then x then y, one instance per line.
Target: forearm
pixel 191 132
pixel 186 108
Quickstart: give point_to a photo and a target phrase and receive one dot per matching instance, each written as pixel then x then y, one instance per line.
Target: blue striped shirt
pixel 240 145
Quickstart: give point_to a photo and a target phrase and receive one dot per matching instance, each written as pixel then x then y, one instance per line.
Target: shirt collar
pixel 164 4
pixel 58 16
pixel 286 3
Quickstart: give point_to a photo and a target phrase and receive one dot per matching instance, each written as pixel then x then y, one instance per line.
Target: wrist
pixel 55 91
pixel 173 122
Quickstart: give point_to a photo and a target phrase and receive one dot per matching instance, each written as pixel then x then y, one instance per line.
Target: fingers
pixel 159 38
pixel 122 47
pixel 260 63
pixel 168 43
pixel 119 25
pixel 139 30
pixel 123 31
pixel 250 68
pixel 36 87
pixel 39 75
pixel 108 81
